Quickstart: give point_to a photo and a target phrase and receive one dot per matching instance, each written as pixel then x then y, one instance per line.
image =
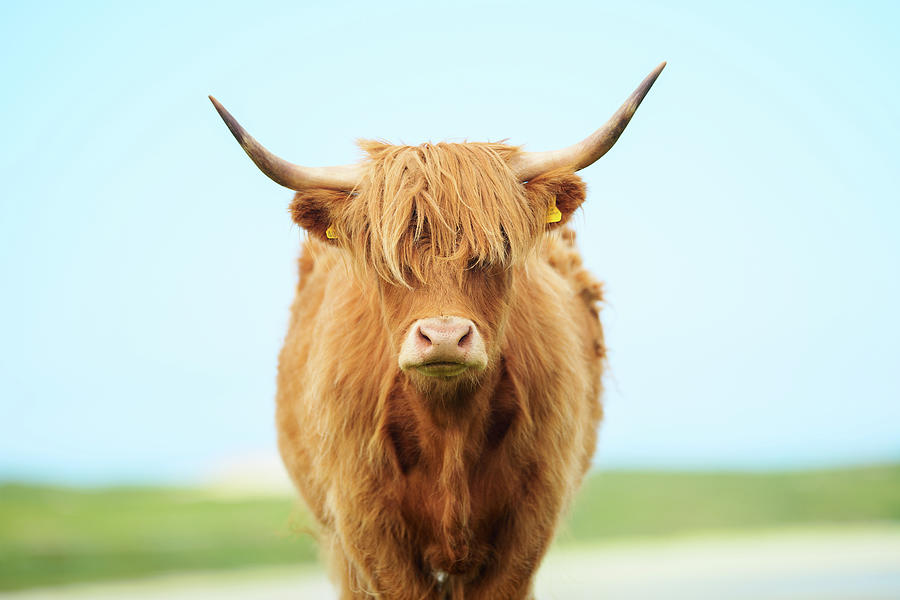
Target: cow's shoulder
pixel 561 252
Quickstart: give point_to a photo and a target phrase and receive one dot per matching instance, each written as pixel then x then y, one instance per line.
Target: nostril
pixel 464 340
pixel 423 337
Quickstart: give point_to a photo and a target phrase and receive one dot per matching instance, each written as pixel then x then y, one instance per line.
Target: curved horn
pixel 578 156
pixel 295 177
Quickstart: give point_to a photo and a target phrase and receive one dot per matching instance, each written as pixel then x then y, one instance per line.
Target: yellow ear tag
pixel 330 233
pixel 553 214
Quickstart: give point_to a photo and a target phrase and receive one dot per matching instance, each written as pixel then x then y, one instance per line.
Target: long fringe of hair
pixel 456 204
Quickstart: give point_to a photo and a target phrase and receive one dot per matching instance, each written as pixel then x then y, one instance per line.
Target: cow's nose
pixel 444 335
pixel 443 346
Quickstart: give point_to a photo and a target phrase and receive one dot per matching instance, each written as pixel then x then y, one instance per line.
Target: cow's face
pixel 438 233
pixel 448 329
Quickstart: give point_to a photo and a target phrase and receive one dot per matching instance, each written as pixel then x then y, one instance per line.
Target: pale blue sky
pixel 746 224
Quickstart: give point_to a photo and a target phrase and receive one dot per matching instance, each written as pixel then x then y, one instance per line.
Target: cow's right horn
pixel 282 172
pixel 527 165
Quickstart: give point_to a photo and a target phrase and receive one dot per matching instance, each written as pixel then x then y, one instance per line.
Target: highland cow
pixel 439 386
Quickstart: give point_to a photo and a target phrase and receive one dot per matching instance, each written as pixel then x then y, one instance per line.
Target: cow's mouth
pixel 441 369
pixel 442 349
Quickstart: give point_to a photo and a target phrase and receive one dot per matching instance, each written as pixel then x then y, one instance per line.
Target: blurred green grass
pixel 55 535
pixel 625 504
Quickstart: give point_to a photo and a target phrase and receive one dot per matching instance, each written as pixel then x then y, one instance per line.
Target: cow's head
pixel 438 231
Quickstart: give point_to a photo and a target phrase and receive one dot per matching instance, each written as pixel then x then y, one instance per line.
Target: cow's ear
pixel 561 191
pixel 315 210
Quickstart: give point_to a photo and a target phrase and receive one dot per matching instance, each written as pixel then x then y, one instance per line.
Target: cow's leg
pixel 376 566
pixel 520 546
pixel 516 584
pixel 352 585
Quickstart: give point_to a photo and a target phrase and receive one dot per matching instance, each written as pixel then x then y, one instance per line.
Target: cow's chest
pixel 458 483
pixel 456 514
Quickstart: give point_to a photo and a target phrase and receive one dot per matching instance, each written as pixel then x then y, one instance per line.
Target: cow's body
pixel 439 386
pixel 403 489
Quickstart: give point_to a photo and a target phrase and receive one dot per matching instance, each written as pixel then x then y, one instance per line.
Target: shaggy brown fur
pixel 412 477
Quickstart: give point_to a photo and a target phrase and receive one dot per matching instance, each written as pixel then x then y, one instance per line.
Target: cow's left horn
pixel 527 165
pixel 295 177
